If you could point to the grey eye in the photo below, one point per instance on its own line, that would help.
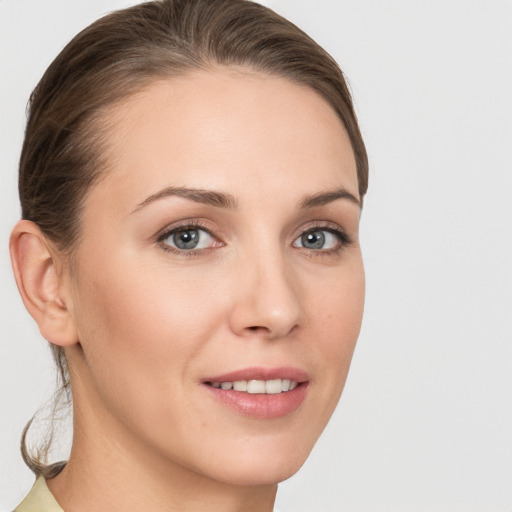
(313, 240)
(317, 239)
(188, 239)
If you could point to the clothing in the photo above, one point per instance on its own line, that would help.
(39, 499)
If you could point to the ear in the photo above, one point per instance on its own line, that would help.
(39, 278)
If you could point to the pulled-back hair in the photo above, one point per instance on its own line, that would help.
(114, 58)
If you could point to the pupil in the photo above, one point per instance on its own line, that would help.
(187, 239)
(313, 240)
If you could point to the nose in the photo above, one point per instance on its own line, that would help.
(268, 300)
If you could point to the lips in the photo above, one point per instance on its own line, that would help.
(263, 393)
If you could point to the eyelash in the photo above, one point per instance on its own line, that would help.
(344, 240)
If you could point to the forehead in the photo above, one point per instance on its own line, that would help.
(223, 129)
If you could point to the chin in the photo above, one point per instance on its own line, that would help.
(265, 465)
(256, 473)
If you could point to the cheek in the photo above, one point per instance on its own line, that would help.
(337, 313)
(133, 295)
(140, 326)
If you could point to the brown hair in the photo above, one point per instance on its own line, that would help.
(115, 57)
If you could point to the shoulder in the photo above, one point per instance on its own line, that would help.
(39, 499)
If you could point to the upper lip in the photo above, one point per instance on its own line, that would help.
(261, 373)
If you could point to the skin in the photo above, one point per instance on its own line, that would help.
(143, 326)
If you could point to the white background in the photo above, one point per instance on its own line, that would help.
(425, 423)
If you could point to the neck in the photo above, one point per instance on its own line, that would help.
(111, 470)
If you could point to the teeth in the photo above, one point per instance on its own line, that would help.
(272, 387)
(240, 385)
(256, 386)
(269, 387)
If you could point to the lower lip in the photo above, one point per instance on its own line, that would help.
(261, 406)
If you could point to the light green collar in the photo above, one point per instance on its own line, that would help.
(39, 499)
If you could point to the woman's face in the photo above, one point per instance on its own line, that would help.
(219, 249)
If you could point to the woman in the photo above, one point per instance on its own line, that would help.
(191, 184)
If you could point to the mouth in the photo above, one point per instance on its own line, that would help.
(268, 387)
(260, 393)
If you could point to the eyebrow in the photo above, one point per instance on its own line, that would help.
(224, 200)
(323, 198)
(198, 195)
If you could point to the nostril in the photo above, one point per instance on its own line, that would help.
(256, 328)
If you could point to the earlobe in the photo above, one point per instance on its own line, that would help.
(40, 284)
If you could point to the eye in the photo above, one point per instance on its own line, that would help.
(320, 239)
(188, 238)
